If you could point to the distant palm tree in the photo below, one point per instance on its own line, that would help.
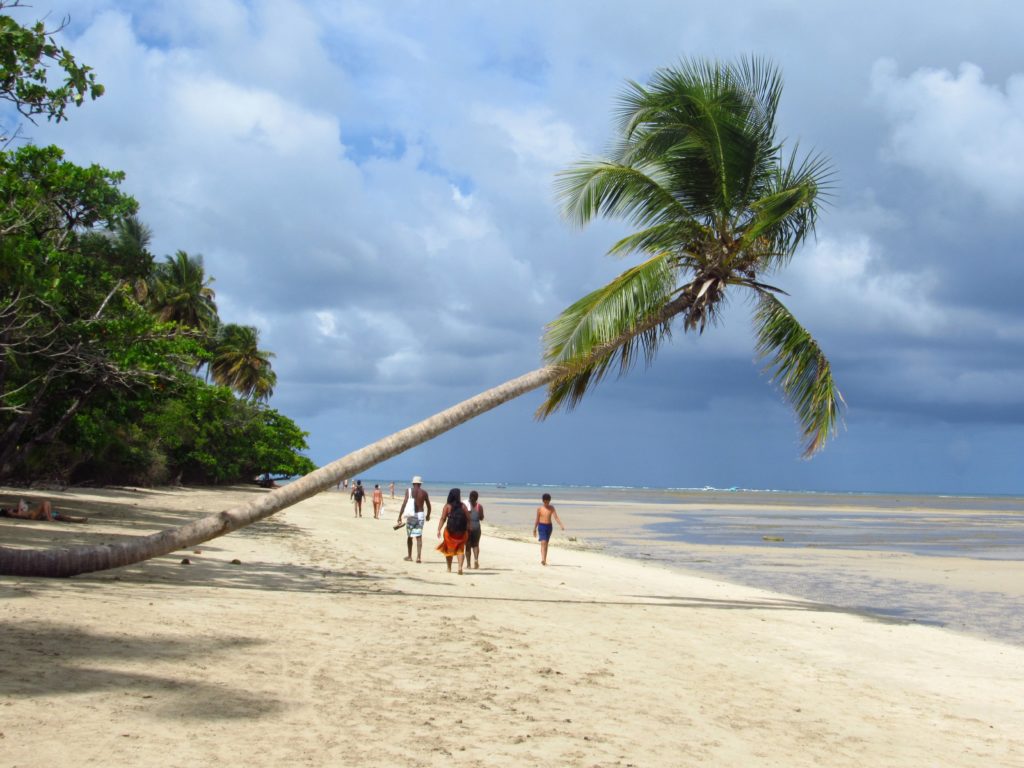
(239, 363)
(698, 169)
(181, 293)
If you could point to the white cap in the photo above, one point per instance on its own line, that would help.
(417, 480)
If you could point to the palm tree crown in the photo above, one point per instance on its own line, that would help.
(697, 169)
(181, 292)
(239, 363)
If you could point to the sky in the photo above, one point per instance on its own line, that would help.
(371, 185)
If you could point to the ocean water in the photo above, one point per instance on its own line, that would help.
(770, 539)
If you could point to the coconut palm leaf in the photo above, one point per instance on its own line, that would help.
(615, 322)
(799, 368)
(603, 188)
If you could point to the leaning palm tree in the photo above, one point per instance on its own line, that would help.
(239, 363)
(698, 170)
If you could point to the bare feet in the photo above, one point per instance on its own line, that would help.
(409, 559)
(477, 564)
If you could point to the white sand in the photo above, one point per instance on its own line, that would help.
(325, 648)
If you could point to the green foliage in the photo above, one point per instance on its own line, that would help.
(97, 340)
(696, 167)
(239, 363)
(27, 56)
(180, 292)
(211, 436)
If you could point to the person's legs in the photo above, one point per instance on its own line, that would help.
(544, 552)
(460, 556)
(448, 559)
(476, 554)
(419, 549)
(408, 543)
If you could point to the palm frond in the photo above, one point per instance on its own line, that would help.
(673, 236)
(787, 213)
(602, 188)
(800, 369)
(615, 322)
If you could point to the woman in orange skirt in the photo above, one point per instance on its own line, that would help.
(455, 525)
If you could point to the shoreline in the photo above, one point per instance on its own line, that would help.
(316, 649)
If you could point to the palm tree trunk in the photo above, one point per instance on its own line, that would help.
(98, 557)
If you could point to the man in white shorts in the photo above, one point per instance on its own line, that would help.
(415, 510)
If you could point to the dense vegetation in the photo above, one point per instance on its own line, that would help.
(106, 353)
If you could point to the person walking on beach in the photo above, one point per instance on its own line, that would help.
(392, 489)
(542, 526)
(357, 496)
(378, 501)
(415, 510)
(454, 523)
(476, 514)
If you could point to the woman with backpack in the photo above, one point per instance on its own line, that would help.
(455, 525)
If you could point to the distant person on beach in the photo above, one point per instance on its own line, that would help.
(542, 526)
(454, 524)
(378, 501)
(392, 489)
(357, 496)
(476, 514)
(415, 510)
(42, 510)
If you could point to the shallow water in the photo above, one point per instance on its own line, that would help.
(773, 540)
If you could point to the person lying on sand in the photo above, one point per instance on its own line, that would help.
(42, 511)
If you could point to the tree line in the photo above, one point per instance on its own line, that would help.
(115, 367)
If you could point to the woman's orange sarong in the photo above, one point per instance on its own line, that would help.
(453, 544)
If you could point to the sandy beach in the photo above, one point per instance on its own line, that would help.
(324, 647)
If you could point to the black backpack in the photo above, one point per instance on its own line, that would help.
(457, 520)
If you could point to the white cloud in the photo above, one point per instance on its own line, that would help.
(956, 128)
(846, 281)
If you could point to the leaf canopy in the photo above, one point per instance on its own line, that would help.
(718, 205)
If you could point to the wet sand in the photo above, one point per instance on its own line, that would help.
(947, 562)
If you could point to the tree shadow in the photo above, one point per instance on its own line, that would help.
(112, 521)
(35, 667)
(216, 574)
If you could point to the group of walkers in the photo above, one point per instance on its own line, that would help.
(358, 493)
(460, 527)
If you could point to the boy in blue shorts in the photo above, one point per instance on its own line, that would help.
(542, 526)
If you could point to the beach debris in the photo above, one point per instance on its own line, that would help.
(236, 561)
(197, 551)
(773, 538)
(186, 561)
